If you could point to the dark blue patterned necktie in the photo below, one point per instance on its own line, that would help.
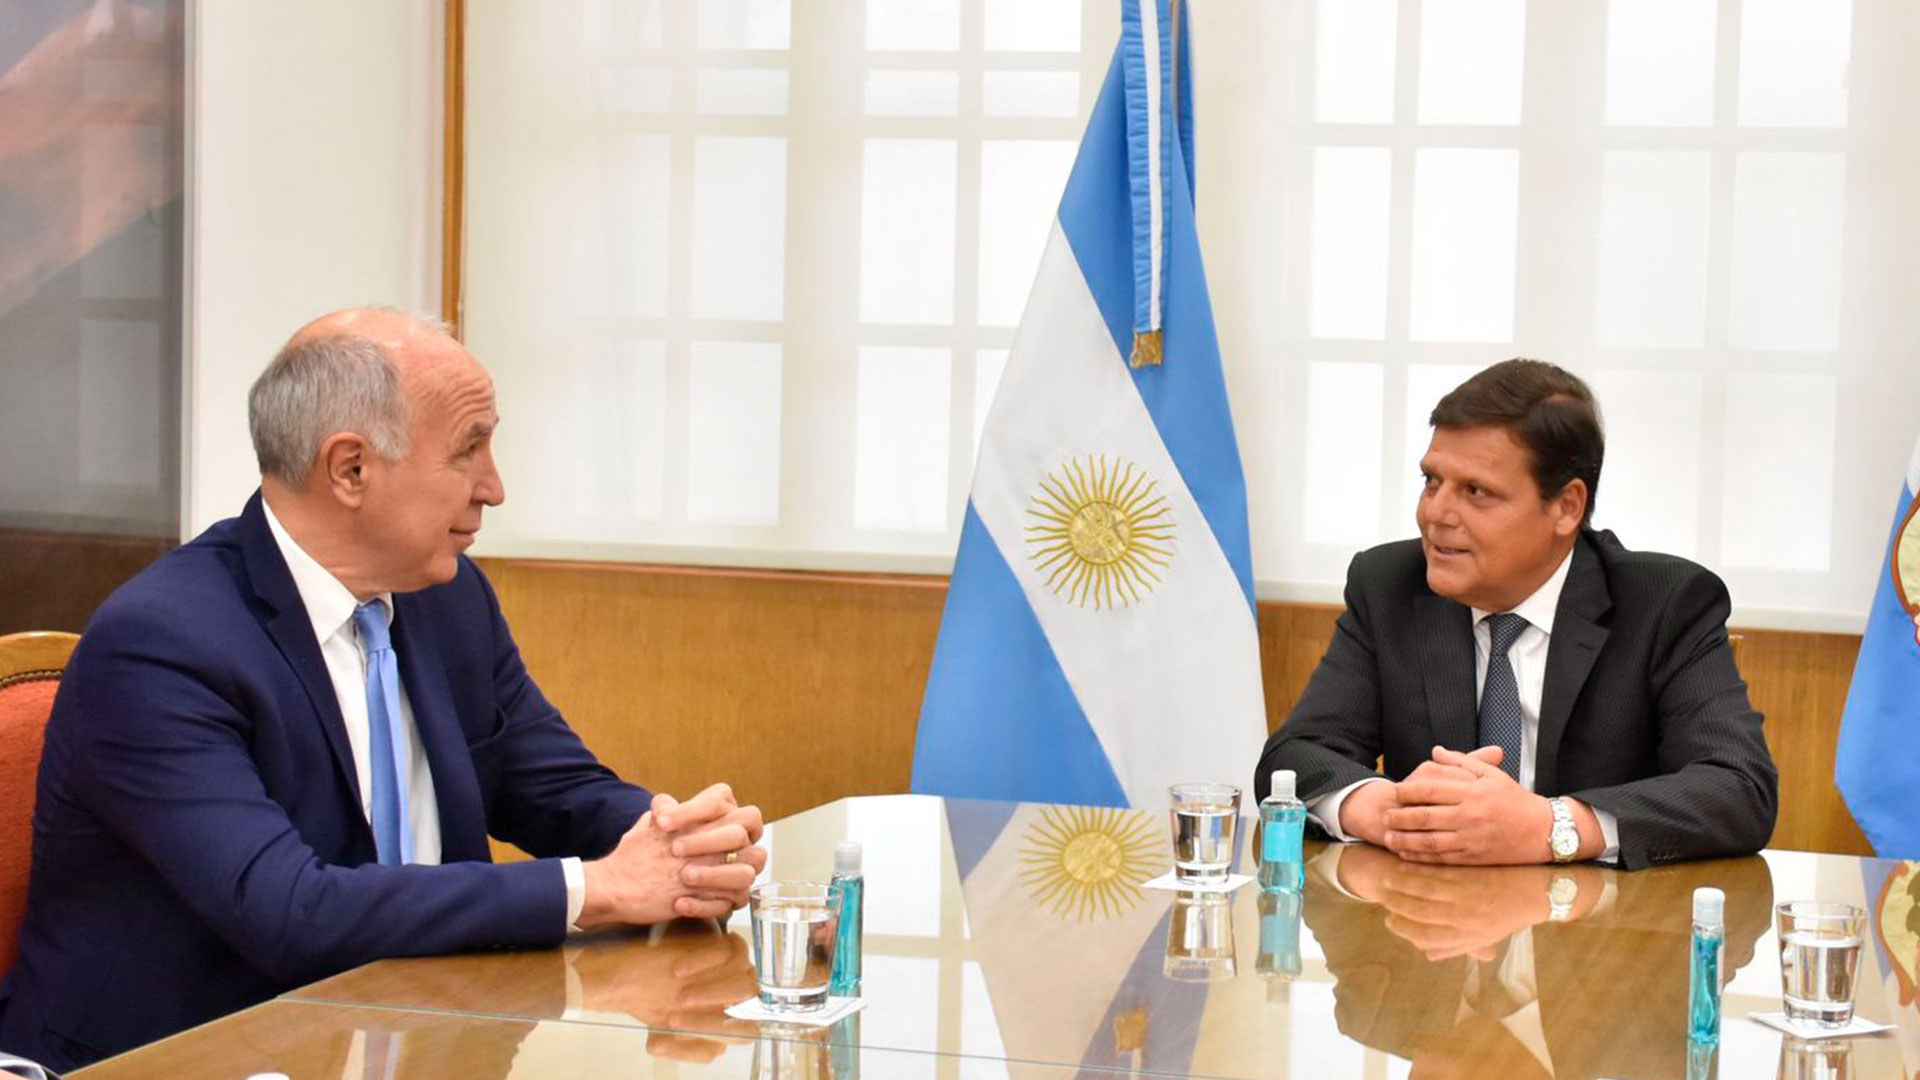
(1500, 722)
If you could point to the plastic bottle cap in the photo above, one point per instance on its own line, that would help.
(1709, 907)
(1283, 783)
(846, 857)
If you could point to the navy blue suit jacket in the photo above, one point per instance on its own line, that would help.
(198, 840)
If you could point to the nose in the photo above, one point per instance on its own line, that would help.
(490, 490)
(1437, 507)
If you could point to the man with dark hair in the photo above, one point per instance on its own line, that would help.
(1533, 690)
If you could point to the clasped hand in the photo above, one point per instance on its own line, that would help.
(1455, 808)
(674, 862)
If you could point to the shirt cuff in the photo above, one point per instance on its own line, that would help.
(1610, 832)
(1326, 809)
(576, 878)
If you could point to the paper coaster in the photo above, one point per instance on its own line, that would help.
(1857, 1026)
(1168, 882)
(831, 1012)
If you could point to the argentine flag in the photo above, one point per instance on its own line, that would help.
(1878, 762)
(1099, 640)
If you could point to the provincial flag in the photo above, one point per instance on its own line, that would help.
(1099, 641)
(1877, 764)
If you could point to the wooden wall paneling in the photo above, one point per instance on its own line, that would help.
(802, 688)
(798, 689)
(54, 580)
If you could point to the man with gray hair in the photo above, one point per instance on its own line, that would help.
(278, 753)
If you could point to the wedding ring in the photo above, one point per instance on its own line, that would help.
(733, 857)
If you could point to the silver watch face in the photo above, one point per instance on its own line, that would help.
(1565, 840)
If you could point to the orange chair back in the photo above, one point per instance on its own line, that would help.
(30, 668)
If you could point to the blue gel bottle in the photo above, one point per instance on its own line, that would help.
(846, 954)
(1283, 818)
(1703, 991)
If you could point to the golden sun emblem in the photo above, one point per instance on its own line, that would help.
(1100, 532)
(1087, 862)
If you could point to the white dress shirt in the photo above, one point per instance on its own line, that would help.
(1528, 655)
(330, 606)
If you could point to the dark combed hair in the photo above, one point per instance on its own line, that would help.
(1547, 408)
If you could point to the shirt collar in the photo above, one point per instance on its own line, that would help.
(330, 604)
(1538, 609)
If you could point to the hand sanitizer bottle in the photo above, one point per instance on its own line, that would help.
(1703, 994)
(846, 955)
(1282, 820)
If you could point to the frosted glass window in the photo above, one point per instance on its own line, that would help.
(906, 231)
(1650, 485)
(1660, 62)
(1033, 25)
(620, 228)
(1353, 68)
(1309, 1050)
(988, 366)
(900, 448)
(1471, 56)
(619, 405)
(1345, 430)
(138, 268)
(1651, 277)
(633, 90)
(121, 387)
(743, 24)
(1426, 385)
(1031, 93)
(1020, 185)
(913, 25)
(893, 832)
(733, 432)
(1788, 212)
(1776, 508)
(1465, 208)
(912, 93)
(620, 24)
(1793, 62)
(1352, 202)
(743, 92)
(739, 228)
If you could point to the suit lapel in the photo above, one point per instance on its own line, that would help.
(292, 631)
(1445, 631)
(463, 831)
(1575, 645)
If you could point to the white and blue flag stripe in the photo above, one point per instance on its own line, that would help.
(1036, 694)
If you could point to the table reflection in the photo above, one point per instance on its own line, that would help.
(1516, 971)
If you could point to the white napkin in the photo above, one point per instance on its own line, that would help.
(832, 1011)
(1168, 882)
(1857, 1026)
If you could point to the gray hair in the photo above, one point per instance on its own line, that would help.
(320, 386)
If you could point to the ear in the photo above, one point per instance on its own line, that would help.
(1570, 507)
(342, 464)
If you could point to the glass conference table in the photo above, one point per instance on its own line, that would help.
(1015, 940)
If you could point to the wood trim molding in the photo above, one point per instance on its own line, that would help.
(453, 183)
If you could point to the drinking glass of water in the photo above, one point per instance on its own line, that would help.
(796, 925)
(1819, 955)
(1204, 819)
(1200, 938)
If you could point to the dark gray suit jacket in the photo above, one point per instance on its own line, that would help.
(1643, 715)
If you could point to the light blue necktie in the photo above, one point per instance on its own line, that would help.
(1500, 722)
(392, 831)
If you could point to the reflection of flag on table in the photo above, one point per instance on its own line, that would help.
(1099, 639)
(1878, 761)
(1054, 892)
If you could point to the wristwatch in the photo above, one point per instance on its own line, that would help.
(1560, 897)
(1564, 840)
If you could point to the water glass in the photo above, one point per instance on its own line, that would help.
(1819, 956)
(1200, 938)
(796, 927)
(1204, 818)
